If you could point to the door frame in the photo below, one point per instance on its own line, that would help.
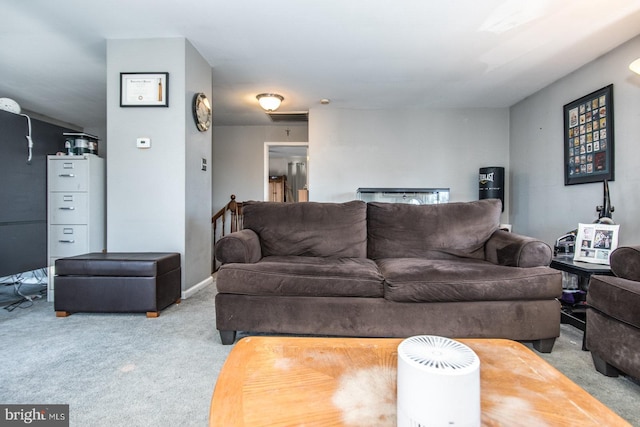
(266, 161)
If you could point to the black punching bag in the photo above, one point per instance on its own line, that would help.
(491, 183)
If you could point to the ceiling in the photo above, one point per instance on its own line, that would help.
(360, 54)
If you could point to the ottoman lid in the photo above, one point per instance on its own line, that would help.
(129, 264)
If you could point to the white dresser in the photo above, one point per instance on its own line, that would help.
(75, 208)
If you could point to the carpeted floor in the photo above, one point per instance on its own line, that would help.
(127, 370)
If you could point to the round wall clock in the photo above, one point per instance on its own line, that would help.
(202, 111)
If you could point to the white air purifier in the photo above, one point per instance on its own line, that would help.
(438, 383)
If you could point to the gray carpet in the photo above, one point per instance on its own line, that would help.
(127, 370)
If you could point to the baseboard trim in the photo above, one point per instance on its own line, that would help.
(197, 287)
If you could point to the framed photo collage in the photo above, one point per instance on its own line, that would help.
(595, 242)
(588, 139)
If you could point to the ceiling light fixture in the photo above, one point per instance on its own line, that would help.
(635, 66)
(11, 106)
(270, 101)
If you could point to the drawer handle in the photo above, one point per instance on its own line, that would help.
(67, 175)
(66, 241)
(67, 208)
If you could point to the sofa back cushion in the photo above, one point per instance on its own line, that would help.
(397, 230)
(310, 228)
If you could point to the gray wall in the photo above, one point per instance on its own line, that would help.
(409, 148)
(238, 159)
(365, 148)
(541, 204)
(198, 250)
(370, 148)
(157, 198)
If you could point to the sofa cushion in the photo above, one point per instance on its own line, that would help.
(397, 230)
(424, 280)
(302, 276)
(122, 264)
(309, 229)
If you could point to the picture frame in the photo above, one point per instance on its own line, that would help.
(588, 138)
(595, 242)
(148, 89)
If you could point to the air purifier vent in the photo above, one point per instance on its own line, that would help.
(438, 383)
(438, 353)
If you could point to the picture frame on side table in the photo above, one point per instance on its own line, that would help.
(588, 138)
(144, 89)
(595, 242)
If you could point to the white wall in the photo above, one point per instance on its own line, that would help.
(153, 194)
(349, 149)
(238, 159)
(542, 205)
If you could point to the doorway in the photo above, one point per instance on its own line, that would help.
(288, 163)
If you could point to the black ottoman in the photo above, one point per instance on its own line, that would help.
(117, 283)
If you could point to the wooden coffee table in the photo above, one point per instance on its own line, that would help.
(276, 381)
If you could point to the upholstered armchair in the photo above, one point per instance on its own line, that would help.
(613, 316)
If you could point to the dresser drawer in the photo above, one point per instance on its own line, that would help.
(67, 240)
(68, 174)
(68, 208)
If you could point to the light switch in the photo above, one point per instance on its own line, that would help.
(143, 143)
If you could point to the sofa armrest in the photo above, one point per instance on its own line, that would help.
(515, 250)
(240, 246)
(625, 262)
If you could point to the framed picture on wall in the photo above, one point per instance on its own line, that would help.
(595, 242)
(144, 89)
(588, 138)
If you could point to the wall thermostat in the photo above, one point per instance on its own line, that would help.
(143, 143)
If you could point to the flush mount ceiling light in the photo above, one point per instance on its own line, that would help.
(635, 66)
(270, 101)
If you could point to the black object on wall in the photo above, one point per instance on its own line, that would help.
(491, 183)
(23, 192)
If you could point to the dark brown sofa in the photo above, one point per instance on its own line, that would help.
(385, 270)
(613, 316)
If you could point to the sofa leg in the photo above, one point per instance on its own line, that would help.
(227, 337)
(62, 314)
(545, 345)
(153, 314)
(603, 367)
